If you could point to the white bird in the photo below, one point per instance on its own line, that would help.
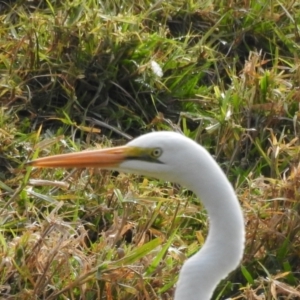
(173, 157)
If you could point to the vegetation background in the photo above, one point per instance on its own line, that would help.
(90, 73)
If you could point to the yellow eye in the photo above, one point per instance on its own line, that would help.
(156, 152)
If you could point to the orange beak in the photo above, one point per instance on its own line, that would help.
(104, 158)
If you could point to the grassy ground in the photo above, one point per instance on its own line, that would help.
(79, 74)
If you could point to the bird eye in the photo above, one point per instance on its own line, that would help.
(156, 152)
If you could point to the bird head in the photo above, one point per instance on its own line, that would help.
(156, 154)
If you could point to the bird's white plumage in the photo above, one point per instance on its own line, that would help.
(187, 163)
(173, 157)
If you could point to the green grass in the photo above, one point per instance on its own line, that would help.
(77, 74)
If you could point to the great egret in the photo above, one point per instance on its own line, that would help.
(173, 157)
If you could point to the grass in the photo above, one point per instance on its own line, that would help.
(79, 74)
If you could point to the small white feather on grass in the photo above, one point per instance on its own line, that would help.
(157, 70)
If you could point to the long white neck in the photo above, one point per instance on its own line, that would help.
(223, 249)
